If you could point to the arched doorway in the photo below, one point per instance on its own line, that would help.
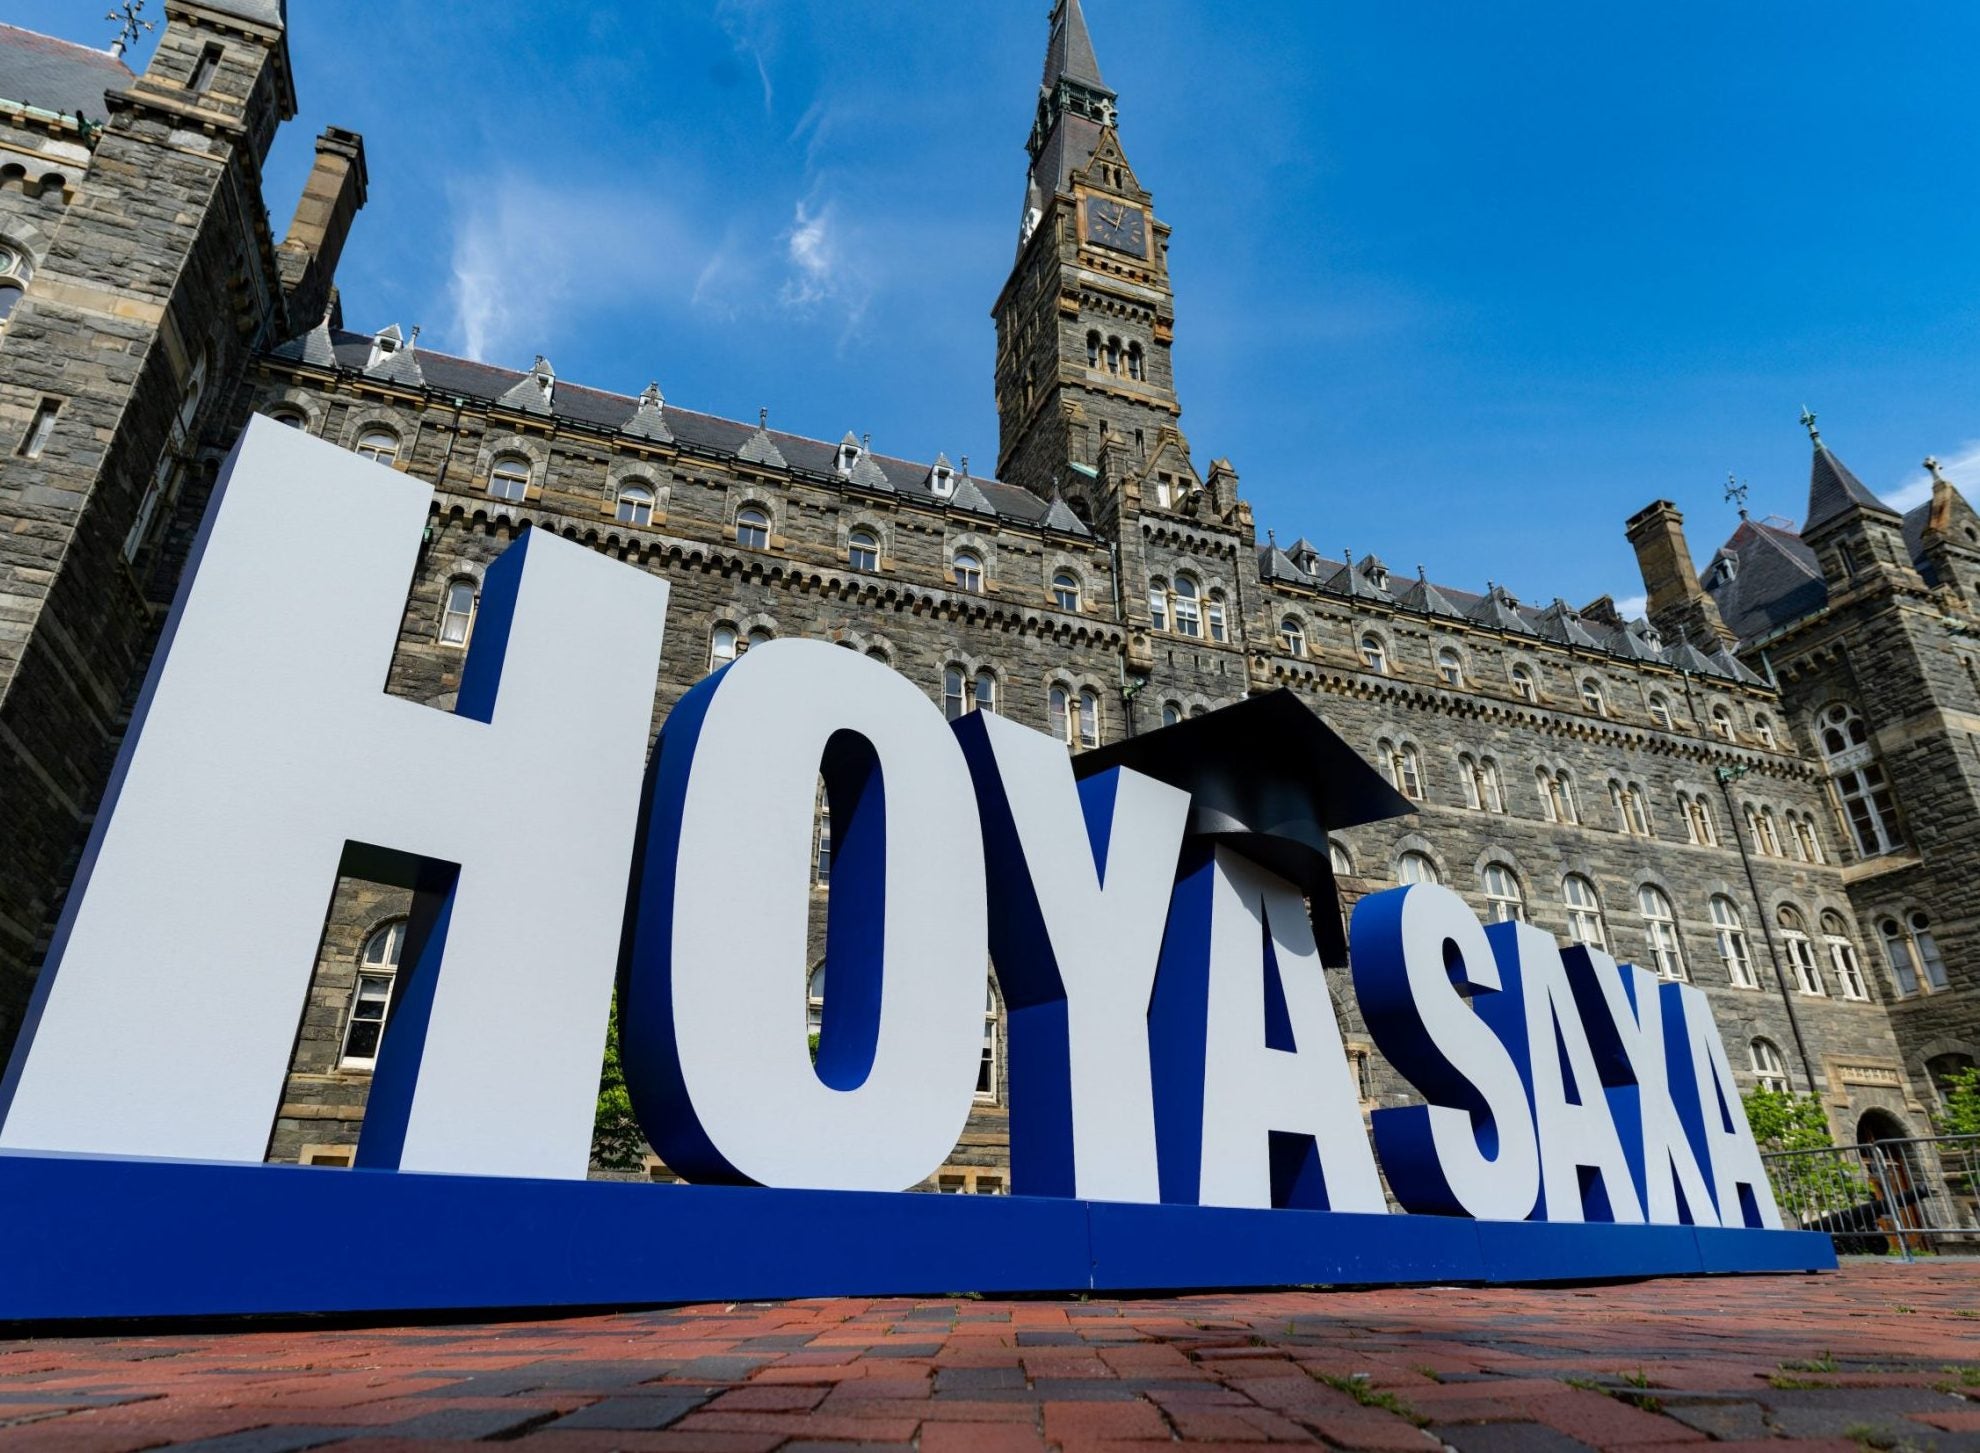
(1881, 1137)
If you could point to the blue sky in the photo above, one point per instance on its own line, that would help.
(1457, 284)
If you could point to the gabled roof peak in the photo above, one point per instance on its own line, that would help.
(1069, 53)
(1832, 490)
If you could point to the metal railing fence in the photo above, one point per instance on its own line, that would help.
(1921, 1193)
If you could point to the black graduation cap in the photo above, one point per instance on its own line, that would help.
(1269, 780)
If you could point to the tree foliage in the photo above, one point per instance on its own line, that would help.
(1960, 1091)
(1784, 1121)
(616, 1141)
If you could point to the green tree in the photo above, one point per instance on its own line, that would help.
(1808, 1187)
(1784, 1121)
(616, 1141)
(1960, 1092)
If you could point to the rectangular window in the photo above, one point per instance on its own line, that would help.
(367, 1022)
(203, 69)
(43, 424)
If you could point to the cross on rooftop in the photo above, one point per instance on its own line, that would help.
(1932, 467)
(1808, 423)
(131, 24)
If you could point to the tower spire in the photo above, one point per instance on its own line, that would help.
(1069, 53)
(1073, 102)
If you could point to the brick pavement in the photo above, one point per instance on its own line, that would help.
(1878, 1355)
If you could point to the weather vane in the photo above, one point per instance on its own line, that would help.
(131, 22)
(1736, 494)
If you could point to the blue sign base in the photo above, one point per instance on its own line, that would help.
(99, 1238)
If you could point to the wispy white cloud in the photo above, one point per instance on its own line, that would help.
(748, 25)
(823, 267)
(1632, 606)
(1962, 467)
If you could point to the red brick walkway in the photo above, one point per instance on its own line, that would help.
(1883, 1356)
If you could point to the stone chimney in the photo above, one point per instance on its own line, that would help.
(1678, 605)
(330, 202)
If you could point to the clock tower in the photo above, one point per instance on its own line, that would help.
(1085, 395)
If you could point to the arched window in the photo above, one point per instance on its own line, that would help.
(757, 637)
(12, 285)
(1660, 929)
(1373, 654)
(968, 568)
(508, 477)
(1213, 614)
(1474, 791)
(1729, 934)
(955, 693)
(1158, 605)
(1591, 696)
(1858, 777)
(1842, 956)
(986, 1073)
(1722, 723)
(983, 691)
(723, 647)
(1292, 635)
(1338, 859)
(1093, 349)
(1769, 836)
(1523, 685)
(1414, 868)
(1113, 355)
(1065, 590)
(1187, 622)
(1800, 952)
(863, 550)
(752, 529)
(1763, 728)
(1493, 790)
(1913, 953)
(289, 417)
(1584, 912)
(1172, 713)
(1503, 900)
(371, 997)
(1405, 767)
(1768, 1066)
(1807, 846)
(1928, 951)
(1449, 666)
(1557, 796)
(457, 611)
(814, 997)
(1699, 826)
(381, 446)
(1075, 717)
(1134, 361)
(635, 505)
(1660, 711)
(1631, 816)
(1900, 955)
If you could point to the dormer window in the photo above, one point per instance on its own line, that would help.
(849, 453)
(1378, 577)
(384, 345)
(942, 481)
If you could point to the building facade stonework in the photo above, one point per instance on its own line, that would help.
(1770, 788)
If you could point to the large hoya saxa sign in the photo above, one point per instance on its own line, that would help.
(1182, 1112)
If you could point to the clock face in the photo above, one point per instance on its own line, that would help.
(1116, 225)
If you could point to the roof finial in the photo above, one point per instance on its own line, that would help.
(1736, 493)
(762, 418)
(130, 24)
(1932, 466)
(1422, 575)
(1271, 537)
(1808, 423)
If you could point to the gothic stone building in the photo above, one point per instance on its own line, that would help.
(1771, 788)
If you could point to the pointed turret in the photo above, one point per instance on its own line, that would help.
(1069, 53)
(1074, 104)
(1832, 490)
(1856, 537)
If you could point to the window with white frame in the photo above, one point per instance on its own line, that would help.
(1800, 952)
(1416, 868)
(821, 843)
(983, 691)
(1900, 954)
(968, 568)
(1292, 635)
(1504, 902)
(1213, 616)
(758, 636)
(1474, 792)
(1763, 728)
(1584, 912)
(1158, 605)
(1722, 723)
(1807, 846)
(1928, 951)
(1660, 929)
(963, 693)
(1699, 826)
(863, 550)
(635, 505)
(723, 647)
(1768, 1066)
(1842, 956)
(1188, 616)
(752, 529)
(1172, 713)
(1729, 936)
(1449, 666)
(1374, 655)
(457, 611)
(1556, 796)
(508, 477)
(1591, 696)
(371, 996)
(1075, 716)
(1065, 590)
(814, 998)
(379, 445)
(986, 1073)
(1337, 857)
(1660, 711)
(1769, 833)
(1858, 777)
(1523, 683)
(1405, 767)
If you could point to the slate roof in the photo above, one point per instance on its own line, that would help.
(709, 433)
(1833, 490)
(57, 75)
(1069, 53)
(1773, 579)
